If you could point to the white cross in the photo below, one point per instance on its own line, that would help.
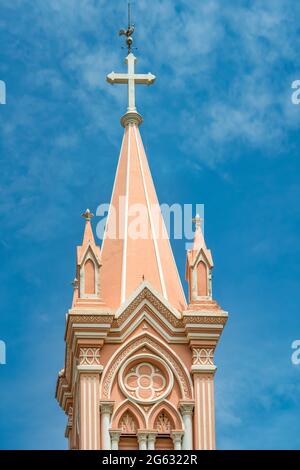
(131, 78)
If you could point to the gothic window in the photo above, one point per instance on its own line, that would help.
(164, 426)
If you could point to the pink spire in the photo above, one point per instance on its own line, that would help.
(128, 260)
(199, 241)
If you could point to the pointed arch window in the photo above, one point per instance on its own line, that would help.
(129, 426)
(164, 425)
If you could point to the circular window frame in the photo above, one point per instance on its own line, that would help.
(152, 359)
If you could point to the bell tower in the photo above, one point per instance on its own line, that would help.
(139, 361)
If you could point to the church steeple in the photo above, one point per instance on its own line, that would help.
(139, 363)
(129, 258)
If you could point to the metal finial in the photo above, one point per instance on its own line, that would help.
(88, 215)
(129, 32)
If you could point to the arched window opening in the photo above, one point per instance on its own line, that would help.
(129, 426)
(164, 425)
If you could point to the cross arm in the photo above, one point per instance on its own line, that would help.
(123, 78)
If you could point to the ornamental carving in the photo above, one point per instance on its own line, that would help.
(163, 424)
(145, 382)
(128, 424)
(147, 294)
(70, 417)
(89, 356)
(203, 356)
(183, 381)
(205, 320)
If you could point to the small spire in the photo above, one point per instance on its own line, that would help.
(198, 236)
(87, 215)
(197, 221)
(75, 283)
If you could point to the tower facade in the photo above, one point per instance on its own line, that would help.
(139, 362)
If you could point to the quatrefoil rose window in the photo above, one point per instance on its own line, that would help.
(145, 382)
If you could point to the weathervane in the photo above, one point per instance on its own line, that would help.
(130, 78)
(129, 31)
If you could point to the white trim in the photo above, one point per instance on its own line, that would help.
(137, 321)
(124, 260)
(166, 402)
(204, 415)
(163, 344)
(136, 292)
(161, 276)
(89, 256)
(90, 412)
(205, 313)
(129, 400)
(192, 335)
(172, 254)
(199, 415)
(91, 368)
(95, 414)
(84, 415)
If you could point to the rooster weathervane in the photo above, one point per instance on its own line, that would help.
(129, 31)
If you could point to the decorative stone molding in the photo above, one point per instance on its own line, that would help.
(70, 417)
(106, 407)
(163, 423)
(205, 320)
(89, 356)
(115, 437)
(203, 356)
(131, 118)
(88, 318)
(151, 440)
(128, 424)
(147, 294)
(181, 376)
(142, 438)
(177, 438)
(186, 408)
(70, 422)
(145, 378)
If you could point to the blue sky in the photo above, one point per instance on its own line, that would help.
(220, 129)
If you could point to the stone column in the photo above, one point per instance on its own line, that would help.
(203, 371)
(89, 370)
(142, 438)
(106, 408)
(177, 438)
(115, 437)
(151, 440)
(186, 410)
